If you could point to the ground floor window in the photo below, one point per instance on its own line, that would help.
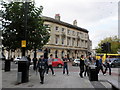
(56, 52)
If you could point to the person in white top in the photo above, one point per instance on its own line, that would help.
(50, 65)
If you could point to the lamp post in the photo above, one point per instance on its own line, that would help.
(23, 42)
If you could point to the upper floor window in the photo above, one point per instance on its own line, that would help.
(63, 29)
(77, 33)
(68, 31)
(56, 28)
(73, 32)
(56, 39)
(62, 40)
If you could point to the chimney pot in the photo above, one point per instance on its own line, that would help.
(57, 17)
(75, 22)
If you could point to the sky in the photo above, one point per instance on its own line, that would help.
(99, 17)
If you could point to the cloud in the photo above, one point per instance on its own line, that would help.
(99, 17)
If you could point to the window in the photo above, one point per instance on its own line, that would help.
(73, 42)
(73, 32)
(55, 59)
(57, 39)
(56, 28)
(62, 54)
(56, 52)
(68, 31)
(62, 40)
(68, 41)
(77, 33)
(63, 29)
(77, 42)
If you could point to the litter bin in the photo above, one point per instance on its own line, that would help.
(93, 75)
(23, 68)
(7, 65)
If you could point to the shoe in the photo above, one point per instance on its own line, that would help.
(104, 74)
(81, 76)
(53, 74)
(98, 74)
(46, 74)
(41, 82)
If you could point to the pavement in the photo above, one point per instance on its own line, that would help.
(9, 79)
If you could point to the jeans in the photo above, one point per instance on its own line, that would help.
(41, 72)
(81, 70)
(108, 67)
(50, 66)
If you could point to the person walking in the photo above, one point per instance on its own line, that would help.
(81, 66)
(29, 61)
(100, 66)
(87, 63)
(65, 60)
(107, 65)
(50, 65)
(41, 68)
(34, 63)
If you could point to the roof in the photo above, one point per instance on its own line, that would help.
(64, 24)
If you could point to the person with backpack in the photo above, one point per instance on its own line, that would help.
(41, 65)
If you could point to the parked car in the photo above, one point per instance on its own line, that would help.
(16, 59)
(76, 62)
(115, 62)
(57, 63)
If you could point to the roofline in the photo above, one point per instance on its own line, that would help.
(49, 19)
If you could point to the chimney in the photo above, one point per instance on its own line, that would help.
(57, 17)
(75, 22)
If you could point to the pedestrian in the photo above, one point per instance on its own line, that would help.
(41, 68)
(65, 60)
(107, 64)
(81, 66)
(100, 66)
(87, 63)
(50, 65)
(29, 61)
(34, 63)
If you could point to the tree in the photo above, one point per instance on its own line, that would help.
(37, 35)
(115, 44)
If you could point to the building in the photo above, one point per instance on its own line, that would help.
(67, 39)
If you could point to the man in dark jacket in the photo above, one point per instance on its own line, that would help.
(81, 66)
(29, 60)
(65, 60)
(34, 63)
(41, 68)
(100, 65)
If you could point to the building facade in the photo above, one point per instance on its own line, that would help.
(66, 39)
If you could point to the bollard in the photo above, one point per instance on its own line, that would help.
(19, 77)
(7, 65)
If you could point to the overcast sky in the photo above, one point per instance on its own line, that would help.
(99, 17)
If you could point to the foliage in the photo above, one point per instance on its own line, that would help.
(115, 44)
(14, 27)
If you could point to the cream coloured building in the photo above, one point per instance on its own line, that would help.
(66, 39)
